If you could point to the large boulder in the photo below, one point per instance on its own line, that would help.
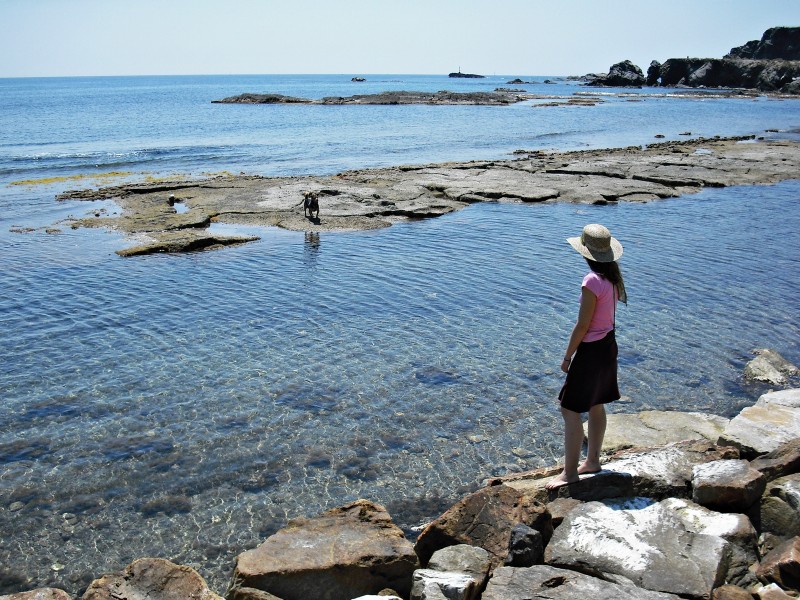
(727, 485)
(659, 427)
(151, 579)
(773, 420)
(343, 553)
(643, 543)
(550, 583)
(776, 43)
(485, 519)
(621, 74)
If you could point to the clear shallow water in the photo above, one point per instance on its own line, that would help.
(186, 406)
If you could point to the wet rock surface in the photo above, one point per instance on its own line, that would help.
(375, 198)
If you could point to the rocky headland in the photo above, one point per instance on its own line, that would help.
(175, 216)
(686, 505)
(771, 64)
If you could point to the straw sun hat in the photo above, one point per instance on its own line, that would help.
(597, 244)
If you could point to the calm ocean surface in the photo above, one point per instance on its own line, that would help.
(186, 406)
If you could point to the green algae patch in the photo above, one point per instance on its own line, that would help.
(99, 177)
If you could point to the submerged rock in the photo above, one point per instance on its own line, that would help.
(39, 594)
(769, 367)
(151, 579)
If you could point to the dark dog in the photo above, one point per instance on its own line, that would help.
(310, 204)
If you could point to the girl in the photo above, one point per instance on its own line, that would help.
(592, 372)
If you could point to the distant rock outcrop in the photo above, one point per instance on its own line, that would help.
(781, 43)
(771, 64)
(466, 75)
(621, 74)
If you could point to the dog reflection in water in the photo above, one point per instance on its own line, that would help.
(310, 204)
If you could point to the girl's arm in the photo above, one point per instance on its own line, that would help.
(588, 303)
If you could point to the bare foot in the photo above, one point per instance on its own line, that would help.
(588, 468)
(560, 481)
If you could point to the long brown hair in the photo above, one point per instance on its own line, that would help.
(610, 270)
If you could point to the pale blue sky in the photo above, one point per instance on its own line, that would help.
(504, 37)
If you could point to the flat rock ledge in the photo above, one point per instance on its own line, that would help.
(496, 98)
(692, 518)
(178, 216)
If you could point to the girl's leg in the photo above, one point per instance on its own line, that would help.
(597, 431)
(573, 439)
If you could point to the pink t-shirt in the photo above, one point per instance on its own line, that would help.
(603, 318)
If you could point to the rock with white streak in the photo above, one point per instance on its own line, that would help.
(456, 573)
(763, 427)
(645, 544)
(667, 471)
(437, 585)
(544, 582)
(727, 485)
(734, 528)
(779, 510)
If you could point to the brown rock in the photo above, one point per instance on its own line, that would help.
(251, 594)
(485, 519)
(731, 592)
(727, 485)
(784, 460)
(39, 594)
(341, 554)
(560, 507)
(151, 579)
(782, 565)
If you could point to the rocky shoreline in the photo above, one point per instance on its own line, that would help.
(175, 216)
(711, 511)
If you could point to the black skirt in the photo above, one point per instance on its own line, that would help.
(592, 376)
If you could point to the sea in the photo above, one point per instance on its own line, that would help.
(186, 406)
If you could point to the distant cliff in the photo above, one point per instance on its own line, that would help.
(771, 64)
